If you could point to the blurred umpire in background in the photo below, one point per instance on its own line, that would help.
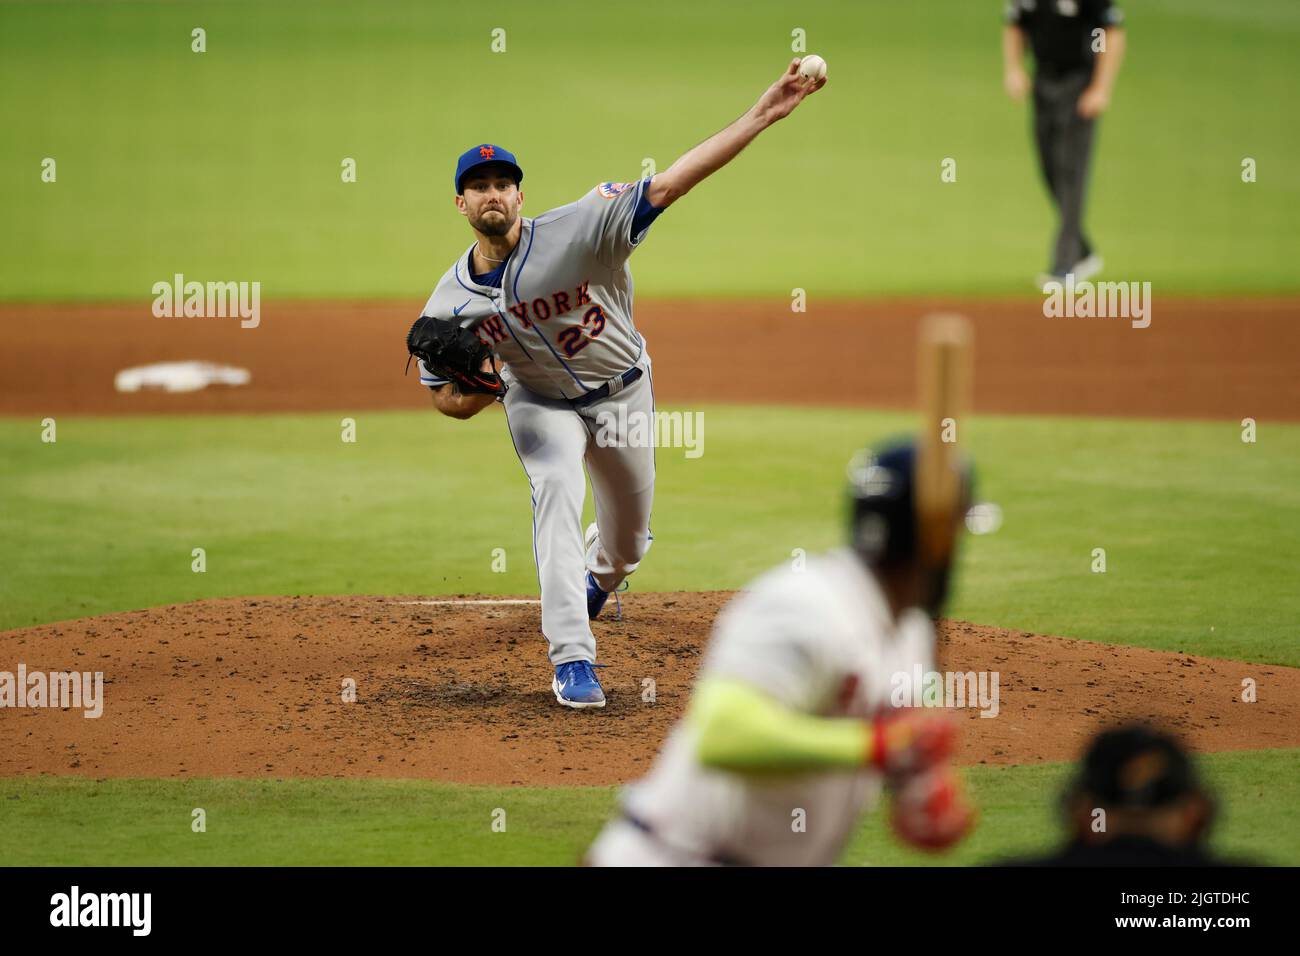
(1078, 46)
(1135, 800)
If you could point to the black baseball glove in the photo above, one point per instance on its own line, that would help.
(456, 354)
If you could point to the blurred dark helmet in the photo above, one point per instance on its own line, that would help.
(885, 530)
(1146, 783)
(1137, 768)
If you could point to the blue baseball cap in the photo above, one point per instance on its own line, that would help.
(478, 156)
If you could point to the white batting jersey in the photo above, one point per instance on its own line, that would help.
(822, 641)
(562, 319)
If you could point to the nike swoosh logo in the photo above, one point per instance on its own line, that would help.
(560, 686)
(462, 308)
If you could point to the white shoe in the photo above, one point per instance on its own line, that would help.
(1087, 267)
(590, 537)
(1044, 278)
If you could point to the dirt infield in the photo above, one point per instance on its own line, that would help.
(1199, 358)
(461, 691)
(252, 687)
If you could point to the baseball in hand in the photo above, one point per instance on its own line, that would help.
(811, 69)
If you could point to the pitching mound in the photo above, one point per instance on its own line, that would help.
(459, 689)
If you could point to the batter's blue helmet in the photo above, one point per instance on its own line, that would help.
(481, 155)
(884, 512)
(884, 521)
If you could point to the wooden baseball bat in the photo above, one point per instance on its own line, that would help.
(944, 376)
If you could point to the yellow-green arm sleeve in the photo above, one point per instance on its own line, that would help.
(740, 728)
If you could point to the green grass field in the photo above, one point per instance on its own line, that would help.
(1198, 528)
(226, 164)
(71, 821)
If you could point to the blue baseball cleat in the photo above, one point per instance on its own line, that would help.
(576, 686)
(596, 598)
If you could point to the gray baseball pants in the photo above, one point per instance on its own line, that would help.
(555, 440)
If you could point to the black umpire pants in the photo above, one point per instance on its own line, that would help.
(1064, 154)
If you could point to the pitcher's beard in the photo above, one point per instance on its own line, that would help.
(498, 225)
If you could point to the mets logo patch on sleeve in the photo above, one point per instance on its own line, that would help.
(610, 190)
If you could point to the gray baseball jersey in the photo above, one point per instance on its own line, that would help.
(562, 319)
(820, 640)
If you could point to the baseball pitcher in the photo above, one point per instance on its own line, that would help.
(537, 315)
(792, 732)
